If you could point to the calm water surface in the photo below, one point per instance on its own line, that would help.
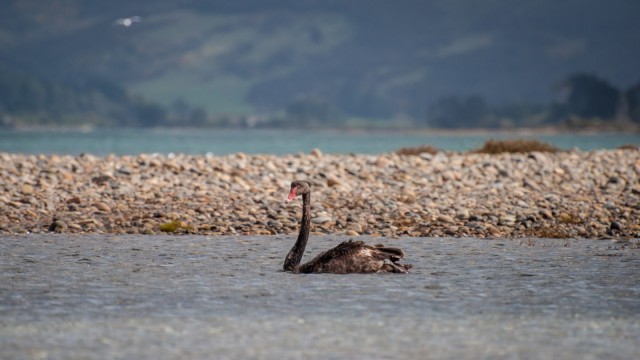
(189, 297)
(135, 141)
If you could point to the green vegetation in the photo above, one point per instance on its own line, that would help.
(515, 146)
(489, 147)
(225, 61)
(301, 63)
(30, 100)
(225, 96)
(629, 147)
(587, 101)
(417, 150)
(176, 226)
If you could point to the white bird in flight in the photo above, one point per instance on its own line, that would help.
(126, 22)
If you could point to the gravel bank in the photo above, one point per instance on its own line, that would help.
(569, 194)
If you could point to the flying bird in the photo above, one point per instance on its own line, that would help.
(128, 21)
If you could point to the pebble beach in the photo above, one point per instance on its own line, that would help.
(573, 194)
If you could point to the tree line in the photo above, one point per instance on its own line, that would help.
(585, 99)
(28, 99)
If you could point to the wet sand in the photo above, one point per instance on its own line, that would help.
(131, 296)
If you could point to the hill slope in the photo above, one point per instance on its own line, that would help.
(368, 58)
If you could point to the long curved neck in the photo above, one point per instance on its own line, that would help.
(292, 261)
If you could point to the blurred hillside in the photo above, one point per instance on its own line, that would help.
(224, 62)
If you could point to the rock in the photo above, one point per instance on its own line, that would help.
(445, 219)
(57, 226)
(451, 230)
(320, 219)
(427, 195)
(355, 227)
(615, 225)
(365, 176)
(474, 218)
(382, 162)
(27, 189)
(274, 223)
(546, 214)
(87, 222)
(316, 153)
(507, 220)
(462, 214)
(124, 170)
(494, 231)
(352, 233)
(102, 207)
(75, 227)
(101, 179)
(74, 200)
(538, 157)
(530, 184)
(332, 181)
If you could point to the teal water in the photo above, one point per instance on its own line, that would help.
(220, 142)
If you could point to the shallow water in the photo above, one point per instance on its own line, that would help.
(108, 296)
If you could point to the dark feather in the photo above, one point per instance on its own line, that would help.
(355, 256)
(348, 257)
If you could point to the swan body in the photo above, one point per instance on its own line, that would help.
(348, 257)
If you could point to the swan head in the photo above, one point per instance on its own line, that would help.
(298, 187)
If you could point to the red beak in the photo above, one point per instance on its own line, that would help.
(292, 194)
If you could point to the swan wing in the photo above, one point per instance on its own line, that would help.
(354, 257)
(344, 249)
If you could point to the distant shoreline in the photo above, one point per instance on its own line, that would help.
(532, 131)
(219, 141)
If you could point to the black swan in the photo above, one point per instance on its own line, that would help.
(348, 257)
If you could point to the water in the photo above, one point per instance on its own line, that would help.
(191, 141)
(188, 297)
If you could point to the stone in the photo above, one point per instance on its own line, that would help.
(274, 223)
(462, 214)
(14, 204)
(74, 200)
(332, 181)
(451, 230)
(507, 219)
(320, 219)
(75, 226)
(615, 225)
(57, 225)
(27, 189)
(102, 207)
(578, 193)
(445, 219)
(546, 214)
(382, 162)
(355, 227)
